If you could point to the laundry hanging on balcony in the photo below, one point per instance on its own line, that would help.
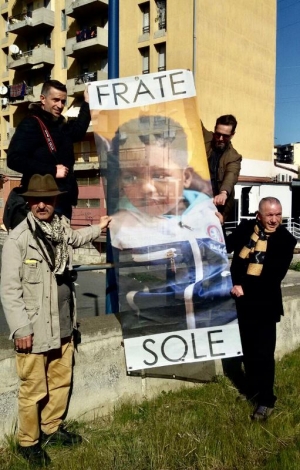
(86, 33)
(18, 91)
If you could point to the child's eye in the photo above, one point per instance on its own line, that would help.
(161, 177)
(129, 179)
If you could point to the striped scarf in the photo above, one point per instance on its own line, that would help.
(255, 250)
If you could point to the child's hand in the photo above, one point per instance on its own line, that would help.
(104, 221)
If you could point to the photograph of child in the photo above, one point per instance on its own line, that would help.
(172, 267)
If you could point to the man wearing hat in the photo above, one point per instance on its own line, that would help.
(38, 299)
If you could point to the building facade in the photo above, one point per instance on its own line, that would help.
(231, 49)
(229, 46)
(61, 40)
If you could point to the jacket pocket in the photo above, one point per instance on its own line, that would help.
(32, 311)
(32, 271)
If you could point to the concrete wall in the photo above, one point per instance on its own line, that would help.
(100, 379)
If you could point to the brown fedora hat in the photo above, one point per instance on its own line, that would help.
(44, 186)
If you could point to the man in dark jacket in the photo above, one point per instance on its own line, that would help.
(224, 162)
(262, 252)
(32, 152)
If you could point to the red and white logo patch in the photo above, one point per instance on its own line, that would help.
(215, 234)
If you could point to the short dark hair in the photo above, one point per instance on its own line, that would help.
(227, 120)
(53, 84)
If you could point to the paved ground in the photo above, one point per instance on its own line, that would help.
(291, 279)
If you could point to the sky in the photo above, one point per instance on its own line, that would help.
(287, 107)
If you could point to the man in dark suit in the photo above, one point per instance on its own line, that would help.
(262, 252)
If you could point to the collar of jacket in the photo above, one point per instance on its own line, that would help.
(37, 110)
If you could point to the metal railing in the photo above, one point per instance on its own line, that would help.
(85, 78)
(289, 223)
(85, 156)
(21, 17)
(21, 54)
(293, 227)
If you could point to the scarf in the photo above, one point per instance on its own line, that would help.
(255, 250)
(54, 232)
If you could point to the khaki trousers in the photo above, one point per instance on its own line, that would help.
(44, 391)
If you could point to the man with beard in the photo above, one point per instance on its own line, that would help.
(224, 162)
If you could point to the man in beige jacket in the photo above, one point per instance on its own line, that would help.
(38, 299)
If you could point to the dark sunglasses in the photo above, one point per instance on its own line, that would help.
(225, 136)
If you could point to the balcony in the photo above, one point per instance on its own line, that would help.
(79, 46)
(26, 60)
(79, 8)
(77, 85)
(4, 7)
(32, 95)
(86, 161)
(7, 171)
(40, 18)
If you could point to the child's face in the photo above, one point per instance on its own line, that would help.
(157, 187)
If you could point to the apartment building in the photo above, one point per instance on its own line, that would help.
(229, 46)
(62, 40)
(231, 49)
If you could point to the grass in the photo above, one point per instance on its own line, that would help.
(203, 427)
(295, 266)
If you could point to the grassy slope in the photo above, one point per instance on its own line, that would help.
(200, 428)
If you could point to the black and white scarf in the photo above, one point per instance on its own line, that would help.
(54, 233)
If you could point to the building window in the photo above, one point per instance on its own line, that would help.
(47, 40)
(159, 121)
(29, 9)
(161, 59)
(64, 59)
(284, 153)
(63, 20)
(161, 6)
(145, 9)
(84, 203)
(145, 59)
(89, 181)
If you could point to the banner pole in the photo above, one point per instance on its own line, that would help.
(112, 303)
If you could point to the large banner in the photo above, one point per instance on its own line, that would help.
(171, 265)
